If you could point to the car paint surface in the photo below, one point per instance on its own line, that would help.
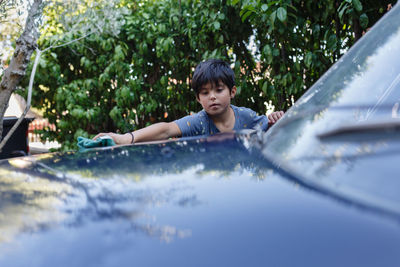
(198, 202)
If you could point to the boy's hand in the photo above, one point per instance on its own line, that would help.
(119, 139)
(275, 116)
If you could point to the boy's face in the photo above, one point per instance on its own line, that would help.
(215, 98)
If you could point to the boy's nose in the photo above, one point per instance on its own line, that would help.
(212, 96)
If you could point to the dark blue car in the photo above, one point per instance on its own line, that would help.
(320, 188)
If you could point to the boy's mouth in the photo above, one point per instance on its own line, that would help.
(214, 105)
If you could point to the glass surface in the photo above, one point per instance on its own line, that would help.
(363, 87)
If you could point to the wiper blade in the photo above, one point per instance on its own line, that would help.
(387, 126)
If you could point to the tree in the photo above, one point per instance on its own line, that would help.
(142, 75)
(84, 19)
(298, 40)
(147, 67)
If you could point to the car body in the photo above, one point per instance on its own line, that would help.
(320, 188)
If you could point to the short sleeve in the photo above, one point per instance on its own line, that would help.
(248, 119)
(192, 125)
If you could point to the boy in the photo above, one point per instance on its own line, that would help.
(214, 84)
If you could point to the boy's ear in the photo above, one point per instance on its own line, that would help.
(197, 98)
(233, 91)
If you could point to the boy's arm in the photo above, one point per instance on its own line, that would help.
(158, 131)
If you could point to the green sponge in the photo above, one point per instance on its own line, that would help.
(86, 143)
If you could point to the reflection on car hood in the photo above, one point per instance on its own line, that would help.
(197, 202)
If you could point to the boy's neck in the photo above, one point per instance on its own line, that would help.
(225, 121)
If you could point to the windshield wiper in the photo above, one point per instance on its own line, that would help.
(387, 126)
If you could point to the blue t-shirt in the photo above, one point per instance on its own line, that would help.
(201, 124)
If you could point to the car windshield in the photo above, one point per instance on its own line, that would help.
(361, 89)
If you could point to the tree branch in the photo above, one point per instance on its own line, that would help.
(28, 102)
(25, 45)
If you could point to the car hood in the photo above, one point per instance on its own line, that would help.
(214, 201)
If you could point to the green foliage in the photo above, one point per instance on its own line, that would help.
(120, 83)
(297, 41)
(124, 81)
(8, 6)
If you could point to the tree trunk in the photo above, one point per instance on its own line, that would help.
(357, 30)
(25, 45)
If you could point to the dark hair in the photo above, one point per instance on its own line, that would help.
(212, 70)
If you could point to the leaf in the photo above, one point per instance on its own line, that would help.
(327, 33)
(332, 42)
(281, 14)
(267, 50)
(264, 7)
(265, 87)
(118, 53)
(146, 16)
(144, 47)
(316, 30)
(273, 3)
(165, 45)
(271, 91)
(164, 80)
(357, 5)
(115, 113)
(83, 60)
(242, 11)
(292, 7)
(364, 21)
(42, 63)
(248, 13)
(273, 17)
(217, 25)
(293, 16)
(308, 59)
(297, 66)
(341, 10)
(125, 92)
